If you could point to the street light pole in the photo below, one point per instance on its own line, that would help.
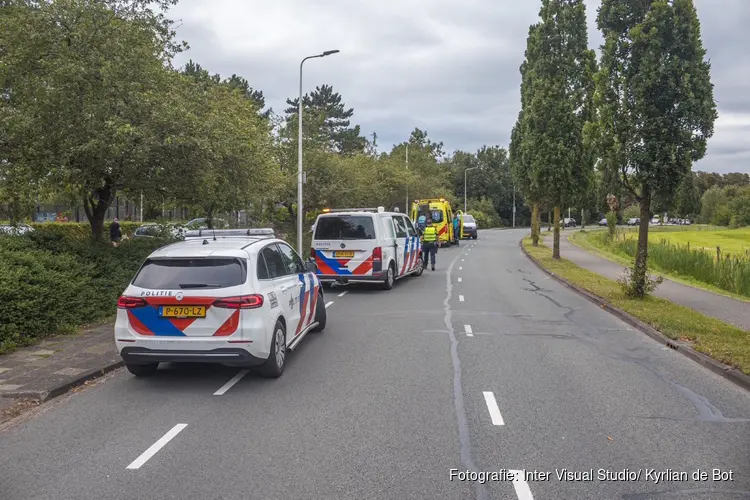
(299, 153)
(406, 205)
(465, 172)
(514, 205)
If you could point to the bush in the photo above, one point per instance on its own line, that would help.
(52, 284)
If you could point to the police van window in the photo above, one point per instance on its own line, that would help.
(187, 273)
(274, 262)
(388, 225)
(345, 227)
(410, 227)
(398, 222)
(291, 260)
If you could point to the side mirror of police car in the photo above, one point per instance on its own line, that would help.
(311, 266)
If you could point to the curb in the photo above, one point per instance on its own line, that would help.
(728, 372)
(63, 388)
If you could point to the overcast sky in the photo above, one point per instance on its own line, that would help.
(446, 66)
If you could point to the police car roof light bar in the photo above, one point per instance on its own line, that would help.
(202, 233)
(339, 210)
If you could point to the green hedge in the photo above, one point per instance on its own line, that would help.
(55, 280)
(80, 231)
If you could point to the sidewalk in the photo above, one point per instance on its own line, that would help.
(727, 309)
(55, 365)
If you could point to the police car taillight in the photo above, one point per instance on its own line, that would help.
(241, 302)
(377, 255)
(130, 302)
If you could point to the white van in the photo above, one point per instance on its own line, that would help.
(365, 245)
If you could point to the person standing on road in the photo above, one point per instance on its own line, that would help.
(457, 229)
(115, 234)
(429, 246)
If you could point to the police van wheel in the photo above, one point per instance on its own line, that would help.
(389, 277)
(420, 267)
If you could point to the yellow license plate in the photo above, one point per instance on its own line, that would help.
(344, 255)
(183, 311)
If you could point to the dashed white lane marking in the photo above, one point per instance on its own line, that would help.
(495, 415)
(146, 455)
(523, 492)
(460, 298)
(462, 260)
(232, 381)
(460, 268)
(328, 304)
(467, 330)
(460, 280)
(343, 293)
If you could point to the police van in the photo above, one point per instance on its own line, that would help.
(365, 245)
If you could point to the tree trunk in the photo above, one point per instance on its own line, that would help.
(641, 254)
(535, 224)
(96, 205)
(556, 245)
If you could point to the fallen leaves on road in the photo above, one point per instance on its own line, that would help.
(610, 438)
(19, 406)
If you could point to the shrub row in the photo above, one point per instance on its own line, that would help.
(55, 280)
(731, 273)
(81, 231)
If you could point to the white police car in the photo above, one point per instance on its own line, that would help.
(238, 297)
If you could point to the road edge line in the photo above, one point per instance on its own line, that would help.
(728, 372)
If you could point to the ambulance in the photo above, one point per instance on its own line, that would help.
(441, 213)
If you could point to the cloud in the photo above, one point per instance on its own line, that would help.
(449, 67)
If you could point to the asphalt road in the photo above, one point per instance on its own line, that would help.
(484, 364)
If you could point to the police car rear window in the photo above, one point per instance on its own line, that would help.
(345, 227)
(191, 274)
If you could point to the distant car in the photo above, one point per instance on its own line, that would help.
(603, 222)
(656, 220)
(242, 299)
(568, 222)
(18, 230)
(202, 223)
(470, 226)
(634, 221)
(153, 230)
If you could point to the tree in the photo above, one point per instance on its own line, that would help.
(327, 121)
(688, 200)
(521, 150)
(83, 91)
(560, 104)
(222, 148)
(655, 97)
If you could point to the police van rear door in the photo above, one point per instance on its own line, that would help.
(344, 243)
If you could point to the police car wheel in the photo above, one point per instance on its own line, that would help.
(389, 277)
(142, 370)
(320, 314)
(274, 365)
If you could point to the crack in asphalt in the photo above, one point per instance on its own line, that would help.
(707, 412)
(464, 436)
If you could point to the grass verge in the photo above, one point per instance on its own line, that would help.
(723, 342)
(581, 239)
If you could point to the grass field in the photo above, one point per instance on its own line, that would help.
(731, 241)
(686, 255)
(723, 342)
